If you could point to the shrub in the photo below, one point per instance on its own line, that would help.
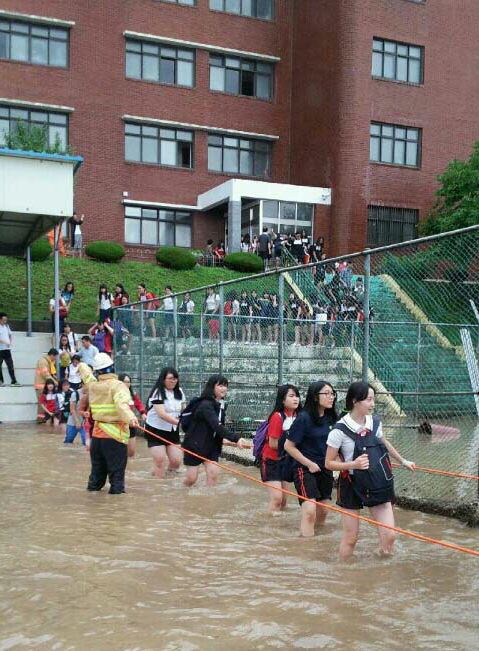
(175, 257)
(41, 249)
(248, 262)
(105, 251)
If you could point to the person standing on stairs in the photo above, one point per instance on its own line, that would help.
(6, 340)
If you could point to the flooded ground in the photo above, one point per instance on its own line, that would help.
(166, 568)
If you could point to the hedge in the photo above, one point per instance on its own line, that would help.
(248, 262)
(175, 257)
(105, 251)
(41, 249)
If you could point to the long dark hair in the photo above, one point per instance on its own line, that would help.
(312, 402)
(160, 384)
(72, 290)
(100, 293)
(357, 392)
(209, 388)
(281, 396)
(122, 377)
(45, 387)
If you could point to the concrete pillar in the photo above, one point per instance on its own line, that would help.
(234, 226)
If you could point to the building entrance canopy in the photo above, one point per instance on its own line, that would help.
(36, 193)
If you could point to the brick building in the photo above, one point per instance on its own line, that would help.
(212, 118)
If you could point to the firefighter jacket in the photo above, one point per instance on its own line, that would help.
(108, 400)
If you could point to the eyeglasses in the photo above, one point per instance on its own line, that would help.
(329, 394)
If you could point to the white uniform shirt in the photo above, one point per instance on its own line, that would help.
(341, 441)
(172, 406)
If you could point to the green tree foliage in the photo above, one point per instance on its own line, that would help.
(458, 197)
(33, 138)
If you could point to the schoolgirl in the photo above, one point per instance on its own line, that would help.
(51, 404)
(244, 316)
(119, 294)
(65, 355)
(105, 302)
(68, 294)
(273, 325)
(306, 444)
(187, 311)
(164, 406)
(168, 306)
(359, 450)
(206, 431)
(72, 338)
(135, 405)
(280, 420)
(73, 373)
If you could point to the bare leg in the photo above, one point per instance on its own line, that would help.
(175, 457)
(132, 446)
(321, 514)
(384, 513)
(308, 519)
(350, 535)
(160, 460)
(191, 476)
(212, 473)
(275, 504)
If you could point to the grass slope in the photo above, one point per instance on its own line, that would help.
(87, 275)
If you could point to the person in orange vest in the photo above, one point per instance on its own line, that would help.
(51, 239)
(45, 370)
(108, 400)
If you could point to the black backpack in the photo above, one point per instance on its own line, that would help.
(186, 416)
(376, 484)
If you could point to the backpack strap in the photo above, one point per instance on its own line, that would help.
(345, 430)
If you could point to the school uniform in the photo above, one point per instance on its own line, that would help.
(206, 432)
(159, 426)
(271, 466)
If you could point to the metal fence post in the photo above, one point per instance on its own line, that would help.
(222, 326)
(351, 365)
(202, 357)
(418, 368)
(29, 291)
(281, 328)
(142, 343)
(175, 332)
(367, 289)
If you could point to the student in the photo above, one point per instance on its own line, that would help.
(68, 293)
(6, 341)
(245, 317)
(306, 444)
(356, 431)
(186, 310)
(119, 294)
(168, 312)
(74, 418)
(206, 432)
(51, 403)
(280, 420)
(151, 306)
(165, 404)
(102, 336)
(135, 404)
(73, 374)
(65, 353)
(72, 337)
(62, 312)
(105, 302)
(256, 314)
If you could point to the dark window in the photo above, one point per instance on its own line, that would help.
(239, 156)
(391, 225)
(159, 145)
(253, 8)
(241, 76)
(398, 61)
(160, 63)
(33, 43)
(155, 226)
(56, 123)
(398, 145)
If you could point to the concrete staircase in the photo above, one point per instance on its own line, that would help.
(19, 404)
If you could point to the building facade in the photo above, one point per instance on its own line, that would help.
(204, 119)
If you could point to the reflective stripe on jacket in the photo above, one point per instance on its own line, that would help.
(109, 404)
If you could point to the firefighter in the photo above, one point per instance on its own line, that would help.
(108, 401)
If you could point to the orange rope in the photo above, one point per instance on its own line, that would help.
(331, 507)
(446, 473)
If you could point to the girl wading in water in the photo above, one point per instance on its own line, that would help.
(205, 430)
(164, 406)
(306, 443)
(358, 449)
(279, 422)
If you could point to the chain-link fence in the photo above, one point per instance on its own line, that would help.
(403, 317)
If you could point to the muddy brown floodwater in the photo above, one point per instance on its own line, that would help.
(166, 568)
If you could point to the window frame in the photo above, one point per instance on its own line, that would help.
(378, 218)
(175, 221)
(227, 148)
(31, 109)
(242, 67)
(28, 33)
(180, 3)
(161, 46)
(159, 139)
(244, 15)
(395, 139)
(396, 56)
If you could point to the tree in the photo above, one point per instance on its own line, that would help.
(33, 138)
(458, 197)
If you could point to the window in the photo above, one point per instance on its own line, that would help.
(155, 226)
(33, 43)
(397, 61)
(56, 123)
(188, 3)
(239, 156)
(389, 143)
(253, 8)
(286, 217)
(391, 225)
(158, 145)
(160, 63)
(241, 76)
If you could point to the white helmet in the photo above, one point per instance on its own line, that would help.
(101, 361)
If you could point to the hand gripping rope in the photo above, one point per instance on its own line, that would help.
(331, 507)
